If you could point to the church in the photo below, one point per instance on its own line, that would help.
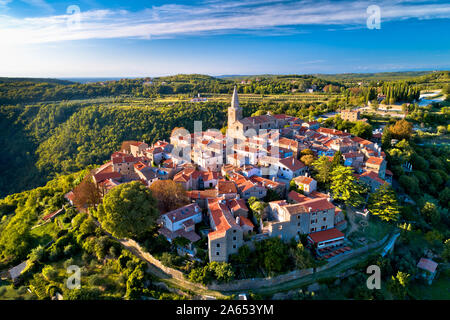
(237, 125)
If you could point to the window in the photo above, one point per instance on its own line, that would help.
(234, 231)
(325, 219)
(218, 245)
(298, 224)
(217, 253)
(234, 238)
(234, 246)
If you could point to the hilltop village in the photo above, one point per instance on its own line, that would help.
(257, 158)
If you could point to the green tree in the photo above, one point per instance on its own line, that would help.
(383, 203)
(338, 159)
(399, 284)
(345, 187)
(431, 213)
(322, 168)
(362, 129)
(128, 210)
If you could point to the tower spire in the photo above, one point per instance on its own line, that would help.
(235, 99)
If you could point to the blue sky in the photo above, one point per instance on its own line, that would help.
(41, 38)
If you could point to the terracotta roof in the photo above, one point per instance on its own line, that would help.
(295, 209)
(334, 132)
(292, 163)
(99, 177)
(267, 182)
(303, 180)
(297, 197)
(224, 186)
(375, 161)
(317, 194)
(237, 204)
(318, 204)
(245, 221)
(361, 141)
(222, 217)
(202, 194)
(427, 264)
(326, 235)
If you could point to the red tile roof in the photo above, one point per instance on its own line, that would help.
(297, 197)
(326, 235)
(318, 204)
(292, 163)
(222, 217)
(303, 180)
(224, 186)
(99, 177)
(245, 221)
(375, 161)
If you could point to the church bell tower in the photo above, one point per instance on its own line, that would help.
(234, 111)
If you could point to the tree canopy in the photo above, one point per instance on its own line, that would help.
(383, 203)
(128, 210)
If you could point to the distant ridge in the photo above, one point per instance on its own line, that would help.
(35, 80)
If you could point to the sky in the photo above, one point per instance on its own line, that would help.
(135, 38)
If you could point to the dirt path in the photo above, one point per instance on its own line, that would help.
(351, 218)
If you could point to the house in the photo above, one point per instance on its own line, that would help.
(289, 144)
(313, 125)
(248, 189)
(181, 223)
(201, 197)
(306, 184)
(246, 225)
(226, 189)
(427, 269)
(326, 239)
(137, 148)
(287, 168)
(350, 115)
(14, 273)
(377, 165)
(353, 159)
(278, 187)
(250, 171)
(227, 235)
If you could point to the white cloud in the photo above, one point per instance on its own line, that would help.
(212, 17)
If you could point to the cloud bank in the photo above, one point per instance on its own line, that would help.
(210, 17)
